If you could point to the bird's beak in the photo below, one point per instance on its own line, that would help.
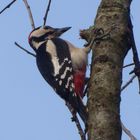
(59, 31)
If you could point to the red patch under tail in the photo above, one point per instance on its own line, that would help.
(79, 81)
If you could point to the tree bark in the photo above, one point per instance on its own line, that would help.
(113, 17)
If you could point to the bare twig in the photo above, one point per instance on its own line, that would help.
(98, 35)
(75, 118)
(135, 54)
(30, 14)
(8, 6)
(46, 14)
(128, 132)
(129, 82)
(24, 49)
(123, 127)
(128, 65)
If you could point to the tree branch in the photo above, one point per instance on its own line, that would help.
(103, 98)
(8, 6)
(46, 14)
(29, 13)
(135, 54)
(128, 132)
(129, 82)
(128, 65)
(76, 120)
(24, 49)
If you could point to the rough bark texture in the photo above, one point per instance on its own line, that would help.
(106, 71)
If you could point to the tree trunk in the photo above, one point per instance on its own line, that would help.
(106, 72)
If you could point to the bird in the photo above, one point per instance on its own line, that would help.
(61, 64)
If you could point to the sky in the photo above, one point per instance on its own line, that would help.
(29, 108)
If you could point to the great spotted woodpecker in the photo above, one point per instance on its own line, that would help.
(61, 64)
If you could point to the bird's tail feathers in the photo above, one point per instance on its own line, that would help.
(81, 109)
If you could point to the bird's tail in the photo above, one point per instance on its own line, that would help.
(81, 109)
(78, 106)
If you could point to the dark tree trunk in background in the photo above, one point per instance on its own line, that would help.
(106, 71)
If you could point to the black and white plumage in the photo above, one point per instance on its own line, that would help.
(54, 62)
(56, 69)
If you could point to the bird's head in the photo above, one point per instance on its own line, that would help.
(42, 34)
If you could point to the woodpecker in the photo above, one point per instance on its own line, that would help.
(61, 64)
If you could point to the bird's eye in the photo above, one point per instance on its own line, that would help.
(35, 39)
(47, 34)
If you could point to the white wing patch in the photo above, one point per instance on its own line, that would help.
(55, 62)
(60, 82)
(65, 72)
(61, 67)
(51, 49)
